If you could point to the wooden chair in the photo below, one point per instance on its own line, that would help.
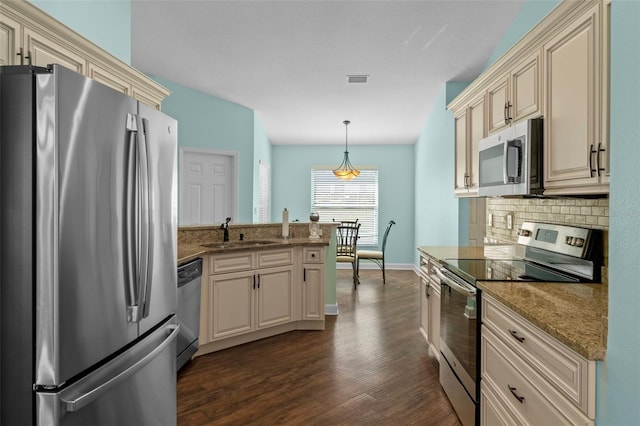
(346, 246)
(376, 256)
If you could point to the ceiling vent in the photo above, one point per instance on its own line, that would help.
(358, 78)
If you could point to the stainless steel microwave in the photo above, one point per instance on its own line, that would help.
(510, 161)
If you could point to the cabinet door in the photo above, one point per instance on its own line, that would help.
(44, 51)
(231, 304)
(109, 79)
(434, 315)
(275, 296)
(477, 125)
(10, 37)
(525, 89)
(497, 98)
(313, 292)
(461, 182)
(424, 307)
(572, 103)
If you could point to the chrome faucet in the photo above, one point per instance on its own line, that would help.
(225, 226)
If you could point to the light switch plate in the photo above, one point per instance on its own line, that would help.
(490, 220)
(510, 221)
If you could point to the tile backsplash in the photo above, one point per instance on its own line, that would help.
(583, 212)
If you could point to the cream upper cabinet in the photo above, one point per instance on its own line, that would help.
(44, 51)
(516, 95)
(470, 124)
(10, 41)
(29, 36)
(575, 145)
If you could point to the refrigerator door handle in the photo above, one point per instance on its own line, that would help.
(145, 241)
(131, 222)
(78, 402)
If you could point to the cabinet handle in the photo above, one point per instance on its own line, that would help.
(426, 291)
(304, 275)
(254, 281)
(509, 105)
(23, 56)
(513, 392)
(591, 169)
(506, 120)
(515, 336)
(599, 158)
(258, 280)
(466, 180)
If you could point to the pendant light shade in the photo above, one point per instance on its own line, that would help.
(345, 170)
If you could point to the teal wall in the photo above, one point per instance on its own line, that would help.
(620, 391)
(531, 13)
(111, 28)
(212, 123)
(436, 209)
(291, 172)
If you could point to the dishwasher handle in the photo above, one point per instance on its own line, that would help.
(189, 272)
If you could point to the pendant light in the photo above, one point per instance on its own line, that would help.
(345, 170)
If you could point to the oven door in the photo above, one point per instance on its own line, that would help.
(459, 338)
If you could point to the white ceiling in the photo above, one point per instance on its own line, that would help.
(289, 60)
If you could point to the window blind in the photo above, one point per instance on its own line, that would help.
(337, 199)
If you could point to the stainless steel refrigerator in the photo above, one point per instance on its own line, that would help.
(87, 255)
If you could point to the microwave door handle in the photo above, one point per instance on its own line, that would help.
(505, 163)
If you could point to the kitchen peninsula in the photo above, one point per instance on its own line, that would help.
(257, 284)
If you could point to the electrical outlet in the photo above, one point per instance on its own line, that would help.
(510, 221)
(490, 220)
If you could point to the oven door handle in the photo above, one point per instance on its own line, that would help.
(454, 285)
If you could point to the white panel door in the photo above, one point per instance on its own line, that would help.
(208, 194)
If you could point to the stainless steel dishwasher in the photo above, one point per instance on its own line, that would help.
(188, 313)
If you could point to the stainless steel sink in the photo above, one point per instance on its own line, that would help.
(243, 243)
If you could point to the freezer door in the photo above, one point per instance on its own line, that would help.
(160, 288)
(136, 388)
(83, 264)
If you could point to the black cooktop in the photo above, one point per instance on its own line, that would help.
(472, 270)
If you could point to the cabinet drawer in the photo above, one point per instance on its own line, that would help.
(571, 374)
(231, 262)
(522, 389)
(274, 258)
(312, 255)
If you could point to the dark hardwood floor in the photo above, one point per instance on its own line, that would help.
(371, 366)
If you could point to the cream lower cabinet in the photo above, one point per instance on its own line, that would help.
(251, 295)
(255, 295)
(430, 303)
(528, 377)
(313, 283)
(576, 95)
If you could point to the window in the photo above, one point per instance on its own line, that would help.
(264, 197)
(337, 199)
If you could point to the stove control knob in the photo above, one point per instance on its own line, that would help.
(578, 242)
(524, 233)
(569, 240)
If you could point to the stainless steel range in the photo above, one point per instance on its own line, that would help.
(553, 253)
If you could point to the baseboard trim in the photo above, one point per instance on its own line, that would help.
(331, 309)
(370, 265)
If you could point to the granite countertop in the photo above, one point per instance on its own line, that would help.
(575, 314)
(192, 250)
